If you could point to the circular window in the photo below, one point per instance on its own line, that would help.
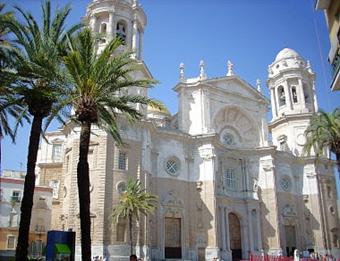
(172, 166)
(228, 139)
(301, 139)
(121, 187)
(285, 184)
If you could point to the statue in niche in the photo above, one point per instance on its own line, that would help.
(282, 96)
(121, 31)
(199, 208)
(294, 94)
(255, 184)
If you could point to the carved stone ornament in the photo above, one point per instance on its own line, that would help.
(288, 211)
(267, 167)
(171, 199)
(208, 156)
(173, 212)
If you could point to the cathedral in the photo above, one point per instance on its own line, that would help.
(229, 183)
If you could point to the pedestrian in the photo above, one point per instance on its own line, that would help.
(133, 258)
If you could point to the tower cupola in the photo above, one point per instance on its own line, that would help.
(291, 84)
(118, 18)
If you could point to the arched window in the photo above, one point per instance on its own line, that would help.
(281, 95)
(121, 31)
(306, 93)
(103, 28)
(294, 95)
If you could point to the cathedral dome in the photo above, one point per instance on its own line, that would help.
(286, 53)
(153, 109)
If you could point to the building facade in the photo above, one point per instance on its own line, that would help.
(11, 192)
(225, 188)
(332, 14)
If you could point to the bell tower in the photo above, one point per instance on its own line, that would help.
(118, 18)
(293, 99)
(124, 19)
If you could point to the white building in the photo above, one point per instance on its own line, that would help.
(11, 193)
(224, 188)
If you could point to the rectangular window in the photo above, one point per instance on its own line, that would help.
(56, 153)
(120, 232)
(16, 196)
(122, 160)
(54, 184)
(67, 163)
(230, 178)
(90, 158)
(11, 242)
(37, 248)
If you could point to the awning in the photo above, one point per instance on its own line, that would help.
(62, 249)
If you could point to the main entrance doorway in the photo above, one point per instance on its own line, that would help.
(235, 236)
(290, 240)
(173, 244)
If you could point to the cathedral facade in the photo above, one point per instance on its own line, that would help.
(228, 182)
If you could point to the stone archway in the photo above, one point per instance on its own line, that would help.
(172, 231)
(235, 236)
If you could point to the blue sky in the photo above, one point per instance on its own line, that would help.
(248, 32)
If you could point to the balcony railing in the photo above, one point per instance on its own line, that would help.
(336, 71)
(16, 199)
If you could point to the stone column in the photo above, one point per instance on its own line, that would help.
(134, 36)
(140, 45)
(93, 21)
(259, 233)
(227, 238)
(316, 107)
(250, 229)
(114, 26)
(223, 232)
(110, 27)
(273, 102)
(301, 94)
(288, 96)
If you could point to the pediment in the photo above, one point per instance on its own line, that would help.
(235, 85)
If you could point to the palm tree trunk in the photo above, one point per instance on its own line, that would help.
(84, 191)
(0, 154)
(130, 234)
(27, 200)
(337, 155)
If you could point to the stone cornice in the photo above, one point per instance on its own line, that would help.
(295, 73)
(287, 118)
(209, 83)
(50, 164)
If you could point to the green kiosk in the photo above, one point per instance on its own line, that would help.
(60, 245)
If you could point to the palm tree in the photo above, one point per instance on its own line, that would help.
(38, 66)
(324, 133)
(7, 78)
(97, 81)
(134, 200)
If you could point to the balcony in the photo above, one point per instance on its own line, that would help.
(16, 199)
(335, 85)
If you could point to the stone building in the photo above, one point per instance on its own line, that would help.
(11, 192)
(225, 188)
(332, 15)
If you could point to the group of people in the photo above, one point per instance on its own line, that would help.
(100, 258)
(134, 258)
